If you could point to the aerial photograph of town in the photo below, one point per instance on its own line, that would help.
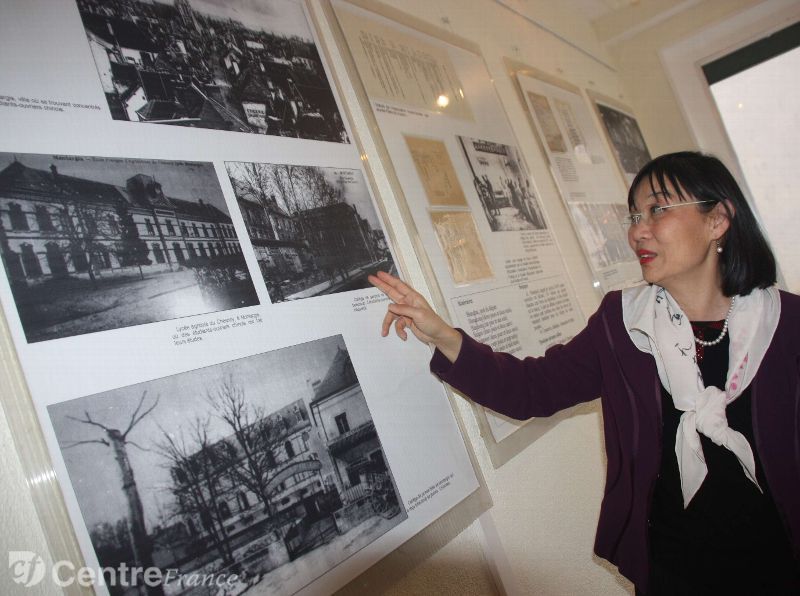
(237, 66)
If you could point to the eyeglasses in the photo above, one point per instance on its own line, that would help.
(656, 211)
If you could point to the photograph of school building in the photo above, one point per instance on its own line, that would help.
(93, 243)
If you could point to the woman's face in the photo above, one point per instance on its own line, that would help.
(676, 248)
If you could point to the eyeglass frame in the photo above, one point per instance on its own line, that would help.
(634, 219)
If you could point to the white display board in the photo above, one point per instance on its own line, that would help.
(587, 179)
(474, 205)
(186, 232)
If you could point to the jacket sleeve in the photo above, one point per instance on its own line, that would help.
(566, 375)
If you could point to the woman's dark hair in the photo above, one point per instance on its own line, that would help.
(746, 261)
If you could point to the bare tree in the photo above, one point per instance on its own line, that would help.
(197, 467)
(118, 441)
(284, 177)
(319, 192)
(254, 179)
(252, 462)
(86, 229)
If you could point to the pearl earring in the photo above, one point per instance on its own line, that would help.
(719, 248)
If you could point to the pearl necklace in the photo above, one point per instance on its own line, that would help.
(702, 342)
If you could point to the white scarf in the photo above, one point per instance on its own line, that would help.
(658, 326)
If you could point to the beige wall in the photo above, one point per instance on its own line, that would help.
(642, 73)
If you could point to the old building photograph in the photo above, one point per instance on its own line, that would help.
(238, 66)
(96, 243)
(268, 467)
(314, 230)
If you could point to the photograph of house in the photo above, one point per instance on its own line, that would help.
(238, 66)
(314, 230)
(94, 243)
(268, 467)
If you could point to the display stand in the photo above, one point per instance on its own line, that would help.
(134, 169)
(502, 233)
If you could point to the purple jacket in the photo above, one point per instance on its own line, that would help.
(602, 361)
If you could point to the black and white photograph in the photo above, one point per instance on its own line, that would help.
(601, 227)
(234, 65)
(503, 186)
(314, 230)
(97, 243)
(626, 139)
(268, 468)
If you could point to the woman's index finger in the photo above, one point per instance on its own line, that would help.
(384, 287)
(397, 283)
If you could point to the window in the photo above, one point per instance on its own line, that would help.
(101, 259)
(342, 424)
(64, 219)
(202, 248)
(170, 228)
(30, 261)
(158, 253)
(113, 226)
(176, 248)
(184, 229)
(149, 224)
(224, 510)
(244, 502)
(211, 250)
(79, 260)
(55, 260)
(214, 232)
(289, 449)
(194, 230)
(205, 231)
(18, 219)
(91, 224)
(43, 219)
(758, 105)
(192, 252)
(353, 477)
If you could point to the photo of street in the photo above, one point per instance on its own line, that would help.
(503, 185)
(239, 66)
(268, 468)
(314, 230)
(96, 243)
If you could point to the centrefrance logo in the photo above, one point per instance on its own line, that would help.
(28, 569)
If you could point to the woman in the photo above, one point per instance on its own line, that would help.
(698, 373)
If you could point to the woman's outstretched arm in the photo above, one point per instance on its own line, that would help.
(410, 310)
(520, 388)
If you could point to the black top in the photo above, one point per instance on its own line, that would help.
(730, 539)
